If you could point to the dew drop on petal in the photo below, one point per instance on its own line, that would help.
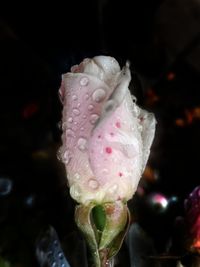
(84, 116)
(70, 119)
(76, 111)
(129, 151)
(99, 95)
(77, 176)
(61, 97)
(74, 191)
(64, 126)
(113, 188)
(94, 118)
(105, 171)
(84, 81)
(136, 110)
(59, 125)
(82, 129)
(78, 105)
(74, 97)
(66, 157)
(86, 97)
(82, 142)
(90, 107)
(134, 98)
(70, 133)
(93, 184)
(58, 154)
(74, 68)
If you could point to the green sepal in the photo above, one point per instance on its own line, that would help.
(104, 227)
(87, 227)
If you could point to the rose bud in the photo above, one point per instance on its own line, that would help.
(106, 142)
(106, 137)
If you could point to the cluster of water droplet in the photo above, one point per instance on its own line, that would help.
(71, 125)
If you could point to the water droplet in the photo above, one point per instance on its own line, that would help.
(77, 176)
(105, 171)
(94, 118)
(84, 116)
(74, 97)
(99, 95)
(60, 255)
(129, 150)
(59, 157)
(55, 243)
(82, 142)
(134, 98)
(90, 107)
(66, 157)
(61, 96)
(82, 129)
(84, 81)
(70, 119)
(63, 265)
(74, 68)
(64, 126)
(78, 105)
(86, 97)
(93, 184)
(70, 133)
(59, 125)
(113, 188)
(101, 74)
(75, 191)
(76, 111)
(75, 122)
(53, 264)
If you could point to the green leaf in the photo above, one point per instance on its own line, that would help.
(99, 217)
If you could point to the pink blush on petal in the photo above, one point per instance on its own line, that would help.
(108, 150)
(118, 124)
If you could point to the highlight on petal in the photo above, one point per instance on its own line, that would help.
(106, 136)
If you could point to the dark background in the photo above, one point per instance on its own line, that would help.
(161, 38)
